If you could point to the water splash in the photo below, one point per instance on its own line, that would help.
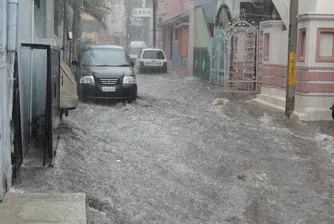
(326, 142)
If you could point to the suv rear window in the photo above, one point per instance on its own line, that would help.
(153, 54)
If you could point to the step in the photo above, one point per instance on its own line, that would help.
(44, 208)
(5, 213)
(262, 102)
(278, 101)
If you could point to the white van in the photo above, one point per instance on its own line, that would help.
(152, 59)
(134, 49)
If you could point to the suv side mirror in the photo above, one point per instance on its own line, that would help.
(132, 64)
(74, 62)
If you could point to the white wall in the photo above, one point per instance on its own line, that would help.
(316, 6)
(4, 159)
(325, 6)
(311, 37)
(283, 8)
(307, 6)
(278, 50)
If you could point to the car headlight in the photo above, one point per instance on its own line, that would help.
(87, 80)
(128, 80)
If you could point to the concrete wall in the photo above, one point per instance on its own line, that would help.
(325, 6)
(315, 80)
(283, 8)
(202, 45)
(209, 9)
(32, 64)
(174, 7)
(307, 7)
(273, 71)
(4, 149)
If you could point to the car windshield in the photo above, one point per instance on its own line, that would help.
(105, 57)
(153, 54)
(134, 51)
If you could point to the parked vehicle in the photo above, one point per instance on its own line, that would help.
(105, 72)
(134, 48)
(332, 108)
(68, 90)
(152, 59)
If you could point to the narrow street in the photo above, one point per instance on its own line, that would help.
(185, 153)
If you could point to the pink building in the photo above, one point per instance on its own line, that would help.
(175, 29)
(315, 62)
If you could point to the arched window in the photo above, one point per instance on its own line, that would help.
(223, 17)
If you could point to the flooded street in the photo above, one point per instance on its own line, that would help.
(185, 153)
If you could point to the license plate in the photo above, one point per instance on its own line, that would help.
(154, 63)
(108, 89)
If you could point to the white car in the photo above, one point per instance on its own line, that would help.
(152, 59)
(134, 49)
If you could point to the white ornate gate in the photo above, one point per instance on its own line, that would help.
(234, 60)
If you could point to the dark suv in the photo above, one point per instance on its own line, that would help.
(105, 72)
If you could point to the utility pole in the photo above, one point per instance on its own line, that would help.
(127, 22)
(291, 78)
(65, 33)
(78, 4)
(154, 23)
(75, 29)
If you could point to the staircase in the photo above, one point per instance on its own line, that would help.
(283, 8)
(43, 208)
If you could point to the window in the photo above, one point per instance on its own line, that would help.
(153, 54)
(266, 46)
(301, 45)
(325, 45)
(105, 57)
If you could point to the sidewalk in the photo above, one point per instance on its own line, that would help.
(36, 208)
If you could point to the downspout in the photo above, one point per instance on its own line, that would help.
(32, 33)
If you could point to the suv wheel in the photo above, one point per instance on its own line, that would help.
(132, 98)
(84, 98)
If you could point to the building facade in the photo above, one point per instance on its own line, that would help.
(185, 30)
(315, 62)
(22, 22)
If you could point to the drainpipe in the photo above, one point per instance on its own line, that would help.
(32, 33)
(12, 27)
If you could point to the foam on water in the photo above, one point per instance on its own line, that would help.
(326, 142)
